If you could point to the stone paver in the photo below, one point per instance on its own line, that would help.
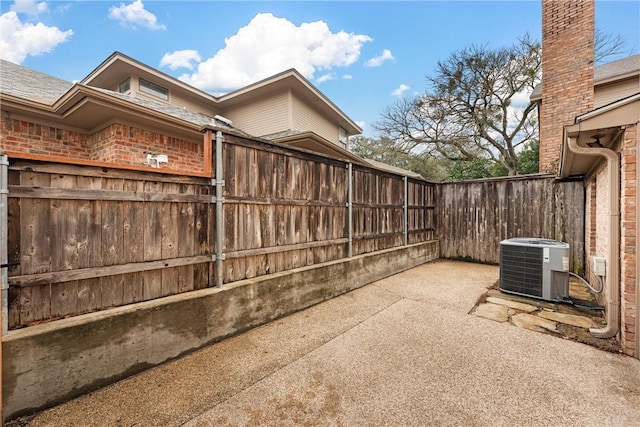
(499, 313)
(513, 304)
(534, 323)
(569, 319)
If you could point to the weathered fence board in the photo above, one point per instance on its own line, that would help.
(76, 255)
(87, 239)
(474, 216)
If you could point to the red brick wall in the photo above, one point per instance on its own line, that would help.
(629, 239)
(567, 72)
(26, 137)
(124, 144)
(117, 143)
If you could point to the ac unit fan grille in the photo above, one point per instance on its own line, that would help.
(521, 270)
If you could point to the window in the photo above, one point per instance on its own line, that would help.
(154, 89)
(343, 138)
(124, 85)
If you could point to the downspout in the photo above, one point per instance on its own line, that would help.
(613, 288)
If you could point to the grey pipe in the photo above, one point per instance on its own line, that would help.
(405, 221)
(350, 209)
(219, 210)
(613, 289)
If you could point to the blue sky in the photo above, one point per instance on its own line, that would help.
(360, 54)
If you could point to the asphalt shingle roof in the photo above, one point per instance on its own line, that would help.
(604, 72)
(29, 84)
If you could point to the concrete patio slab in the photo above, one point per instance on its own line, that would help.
(401, 351)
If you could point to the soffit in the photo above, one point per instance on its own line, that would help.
(601, 126)
(119, 66)
(312, 142)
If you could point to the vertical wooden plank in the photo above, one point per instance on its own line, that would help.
(14, 227)
(169, 240)
(35, 234)
(133, 242)
(186, 242)
(204, 239)
(90, 247)
(112, 287)
(13, 251)
(65, 246)
(35, 249)
(152, 280)
(89, 295)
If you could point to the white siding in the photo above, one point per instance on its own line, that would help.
(262, 116)
(307, 119)
(609, 93)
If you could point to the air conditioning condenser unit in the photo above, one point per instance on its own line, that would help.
(534, 267)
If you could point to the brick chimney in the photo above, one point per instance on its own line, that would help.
(567, 72)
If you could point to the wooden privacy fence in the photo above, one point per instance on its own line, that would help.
(82, 239)
(474, 216)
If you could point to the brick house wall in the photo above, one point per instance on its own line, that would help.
(597, 233)
(567, 72)
(628, 239)
(117, 143)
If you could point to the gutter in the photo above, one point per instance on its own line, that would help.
(613, 289)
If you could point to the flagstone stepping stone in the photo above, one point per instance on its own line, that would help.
(534, 323)
(499, 313)
(524, 300)
(513, 304)
(569, 319)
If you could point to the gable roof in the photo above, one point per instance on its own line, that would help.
(118, 66)
(291, 79)
(85, 107)
(603, 74)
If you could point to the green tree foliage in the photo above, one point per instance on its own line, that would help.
(475, 110)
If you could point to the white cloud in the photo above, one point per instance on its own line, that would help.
(326, 77)
(135, 15)
(521, 99)
(361, 123)
(180, 59)
(30, 7)
(400, 90)
(268, 45)
(19, 40)
(347, 76)
(377, 61)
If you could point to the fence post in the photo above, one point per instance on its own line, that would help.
(219, 210)
(405, 225)
(350, 208)
(4, 256)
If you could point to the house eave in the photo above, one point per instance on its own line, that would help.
(602, 125)
(290, 80)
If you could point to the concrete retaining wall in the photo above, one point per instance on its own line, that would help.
(47, 364)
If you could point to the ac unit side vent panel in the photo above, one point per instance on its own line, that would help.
(521, 270)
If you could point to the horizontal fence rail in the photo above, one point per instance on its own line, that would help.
(82, 239)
